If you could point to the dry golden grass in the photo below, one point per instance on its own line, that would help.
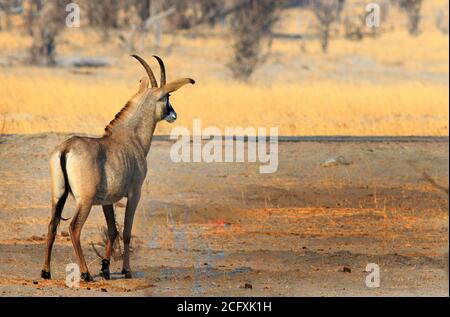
(389, 85)
(325, 108)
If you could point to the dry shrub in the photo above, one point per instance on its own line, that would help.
(117, 251)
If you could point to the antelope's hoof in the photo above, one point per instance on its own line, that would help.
(87, 277)
(46, 274)
(127, 273)
(105, 269)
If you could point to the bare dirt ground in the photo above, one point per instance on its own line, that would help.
(210, 229)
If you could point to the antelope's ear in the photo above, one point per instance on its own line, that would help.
(143, 84)
(172, 86)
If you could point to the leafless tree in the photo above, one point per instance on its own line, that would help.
(5, 7)
(10, 7)
(190, 13)
(442, 18)
(355, 20)
(211, 11)
(326, 12)
(46, 24)
(103, 14)
(143, 8)
(412, 9)
(31, 13)
(251, 24)
(153, 22)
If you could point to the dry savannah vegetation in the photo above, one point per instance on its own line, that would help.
(391, 84)
(225, 229)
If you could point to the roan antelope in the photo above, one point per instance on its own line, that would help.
(100, 171)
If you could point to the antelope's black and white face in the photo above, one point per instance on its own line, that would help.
(169, 113)
(164, 110)
(161, 94)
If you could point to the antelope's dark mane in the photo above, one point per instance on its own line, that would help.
(118, 117)
(124, 113)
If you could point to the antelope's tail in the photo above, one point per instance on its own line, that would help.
(60, 180)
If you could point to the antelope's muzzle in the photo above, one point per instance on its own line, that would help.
(172, 115)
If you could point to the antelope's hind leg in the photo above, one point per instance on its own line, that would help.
(57, 208)
(108, 211)
(83, 210)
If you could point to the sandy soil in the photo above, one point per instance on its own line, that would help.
(210, 229)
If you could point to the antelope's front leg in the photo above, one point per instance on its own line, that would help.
(133, 200)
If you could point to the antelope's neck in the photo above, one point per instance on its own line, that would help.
(141, 126)
(137, 129)
(144, 134)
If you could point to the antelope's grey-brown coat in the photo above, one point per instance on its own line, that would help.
(101, 171)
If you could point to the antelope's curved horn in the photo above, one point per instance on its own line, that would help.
(163, 70)
(147, 69)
